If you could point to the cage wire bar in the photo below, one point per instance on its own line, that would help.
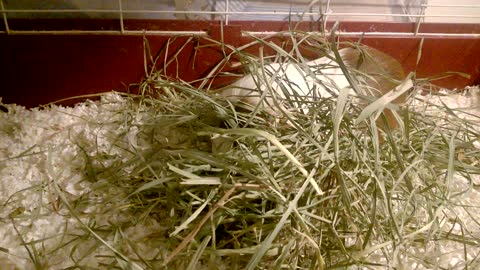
(225, 18)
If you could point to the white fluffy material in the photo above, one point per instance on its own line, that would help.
(37, 146)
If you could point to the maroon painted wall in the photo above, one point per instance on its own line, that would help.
(38, 69)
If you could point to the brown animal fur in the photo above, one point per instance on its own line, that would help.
(384, 73)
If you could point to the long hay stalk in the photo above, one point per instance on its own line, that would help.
(180, 178)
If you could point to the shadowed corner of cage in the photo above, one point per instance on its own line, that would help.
(476, 80)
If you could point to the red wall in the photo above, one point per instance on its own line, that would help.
(37, 69)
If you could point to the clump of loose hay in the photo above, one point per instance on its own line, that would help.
(177, 178)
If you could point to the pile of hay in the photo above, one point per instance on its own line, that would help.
(177, 178)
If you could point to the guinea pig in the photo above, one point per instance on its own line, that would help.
(375, 73)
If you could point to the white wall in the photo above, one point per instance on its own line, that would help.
(431, 11)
